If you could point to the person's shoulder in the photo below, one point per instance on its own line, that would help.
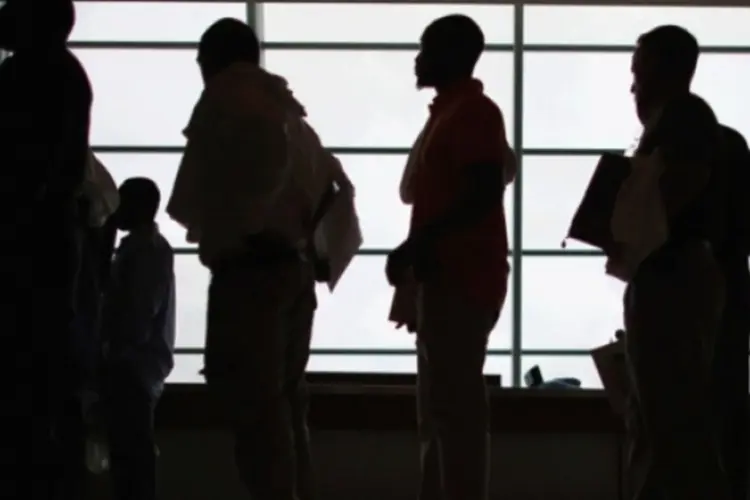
(691, 108)
(162, 245)
(481, 109)
(68, 70)
(734, 140)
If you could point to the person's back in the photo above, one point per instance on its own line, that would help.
(45, 104)
(731, 362)
(243, 194)
(138, 326)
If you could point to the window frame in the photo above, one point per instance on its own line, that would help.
(519, 49)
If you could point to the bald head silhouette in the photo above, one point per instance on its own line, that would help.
(50, 21)
(450, 49)
(224, 43)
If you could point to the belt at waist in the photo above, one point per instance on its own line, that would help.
(667, 255)
(263, 250)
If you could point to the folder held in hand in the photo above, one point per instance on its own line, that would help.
(591, 223)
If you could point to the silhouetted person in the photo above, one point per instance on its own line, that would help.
(675, 300)
(251, 180)
(45, 104)
(456, 252)
(139, 330)
(730, 360)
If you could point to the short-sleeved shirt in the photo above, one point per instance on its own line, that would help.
(465, 128)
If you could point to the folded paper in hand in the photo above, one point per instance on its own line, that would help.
(591, 223)
(339, 237)
(611, 365)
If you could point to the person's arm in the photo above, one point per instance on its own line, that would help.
(107, 241)
(62, 144)
(481, 150)
(139, 285)
(342, 180)
(510, 166)
(688, 144)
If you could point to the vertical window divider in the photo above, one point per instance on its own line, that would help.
(516, 275)
(254, 18)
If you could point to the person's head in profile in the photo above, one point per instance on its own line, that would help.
(139, 204)
(224, 43)
(663, 65)
(450, 48)
(51, 22)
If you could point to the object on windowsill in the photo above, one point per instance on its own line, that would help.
(561, 383)
(534, 380)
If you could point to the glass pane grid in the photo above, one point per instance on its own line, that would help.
(522, 358)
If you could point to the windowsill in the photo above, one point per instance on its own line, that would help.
(392, 407)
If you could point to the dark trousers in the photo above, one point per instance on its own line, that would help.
(130, 426)
(453, 409)
(257, 346)
(673, 312)
(59, 435)
(731, 382)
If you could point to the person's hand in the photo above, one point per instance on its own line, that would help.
(399, 263)
(416, 254)
(411, 328)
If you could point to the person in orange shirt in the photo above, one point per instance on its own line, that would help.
(457, 252)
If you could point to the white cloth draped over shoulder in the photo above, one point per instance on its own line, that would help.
(101, 190)
(252, 163)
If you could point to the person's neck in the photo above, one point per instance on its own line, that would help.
(672, 93)
(143, 227)
(669, 95)
(36, 50)
(452, 83)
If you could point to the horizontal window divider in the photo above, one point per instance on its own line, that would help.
(619, 3)
(362, 252)
(356, 150)
(189, 351)
(381, 252)
(132, 45)
(383, 46)
(328, 46)
(368, 151)
(561, 252)
(409, 352)
(166, 1)
(569, 151)
(612, 48)
(374, 46)
(123, 149)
